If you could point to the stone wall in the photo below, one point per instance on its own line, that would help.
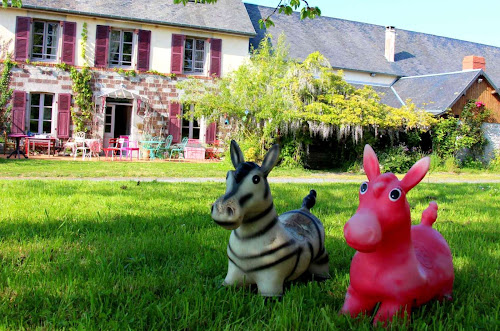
(492, 134)
(156, 91)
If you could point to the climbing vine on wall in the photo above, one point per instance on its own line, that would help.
(82, 114)
(83, 42)
(5, 90)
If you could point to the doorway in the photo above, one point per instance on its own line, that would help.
(117, 120)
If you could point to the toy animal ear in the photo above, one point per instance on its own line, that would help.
(370, 163)
(236, 155)
(415, 174)
(270, 160)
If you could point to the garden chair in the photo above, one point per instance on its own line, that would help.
(80, 145)
(7, 144)
(112, 147)
(130, 147)
(179, 148)
(165, 148)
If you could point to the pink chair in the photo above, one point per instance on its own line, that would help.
(128, 147)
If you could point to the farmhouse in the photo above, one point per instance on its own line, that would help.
(139, 51)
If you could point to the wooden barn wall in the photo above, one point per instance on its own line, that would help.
(480, 92)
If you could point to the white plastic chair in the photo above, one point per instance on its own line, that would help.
(80, 145)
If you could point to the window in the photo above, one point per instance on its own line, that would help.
(194, 56)
(108, 120)
(40, 113)
(121, 48)
(190, 128)
(45, 40)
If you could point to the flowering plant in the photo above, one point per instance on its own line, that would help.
(479, 104)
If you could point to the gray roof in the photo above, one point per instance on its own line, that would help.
(360, 46)
(386, 94)
(224, 16)
(436, 93)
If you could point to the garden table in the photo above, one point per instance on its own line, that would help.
(152, 146)
(17, 151)
(49, 142)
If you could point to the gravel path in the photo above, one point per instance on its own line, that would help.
(299, 180)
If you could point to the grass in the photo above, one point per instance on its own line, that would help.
(27, 168)
(117, 255)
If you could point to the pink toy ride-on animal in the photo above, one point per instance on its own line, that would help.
(397, 264)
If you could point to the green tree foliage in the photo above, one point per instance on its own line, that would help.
(272, 96)
(284, 7)
(82, 115)
(13, 3)
(452, 135)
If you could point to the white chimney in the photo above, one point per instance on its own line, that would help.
(390, 43)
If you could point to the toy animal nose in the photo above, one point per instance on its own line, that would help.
(362, 232)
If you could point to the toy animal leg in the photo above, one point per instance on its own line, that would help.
(270, 284)
(319, 267)
(355, 304)
(235, 276)
(389, 309)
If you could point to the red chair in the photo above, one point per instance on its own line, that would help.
(112, 147)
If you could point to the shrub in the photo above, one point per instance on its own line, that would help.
(399, 159)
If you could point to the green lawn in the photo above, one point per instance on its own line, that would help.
(27, 168)
(115, 255)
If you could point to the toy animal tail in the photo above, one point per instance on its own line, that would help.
(310, 200)
(430, 214)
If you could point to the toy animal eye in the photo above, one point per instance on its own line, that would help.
(395, 194)
(364, 188)
(255, 179)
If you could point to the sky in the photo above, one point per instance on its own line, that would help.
(476, 21)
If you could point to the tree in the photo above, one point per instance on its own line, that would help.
(284, 7)
(271, 97)
(14, 3)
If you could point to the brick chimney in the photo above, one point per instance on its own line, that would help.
(390, 43)
(473, 62)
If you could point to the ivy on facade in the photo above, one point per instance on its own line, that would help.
(82, 114)
(5, 90)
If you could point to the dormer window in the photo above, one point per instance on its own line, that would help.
(45, 41)
(194, 56)
(121, 48)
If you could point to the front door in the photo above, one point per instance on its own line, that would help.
(109, 124)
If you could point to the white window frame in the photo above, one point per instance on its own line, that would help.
(191, 126)
(120, 49)
(45, 57)
(41, 109)
(193, 56)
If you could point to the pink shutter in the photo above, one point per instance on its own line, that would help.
(18, 112)
(177, 59)
(174, 121)
(63, 115)
(211, 130)
(101, 46)
(143, 50)
(23, 27)
(68, 43)
(215, 57)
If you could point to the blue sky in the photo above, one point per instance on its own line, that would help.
(476, 21)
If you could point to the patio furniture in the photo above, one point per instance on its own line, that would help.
(165, 149)
(17, 152)
(179, 148)
(129, 147)
(95, 147)
(152, 146)
(80, 145)
(7, 144)
(112, 147)
(40, 141)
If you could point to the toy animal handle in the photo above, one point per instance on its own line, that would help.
(429, 215)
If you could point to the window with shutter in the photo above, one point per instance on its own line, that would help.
(68, 43)
(121, 48)
(18, 112)
(176, 61)
(44, 41)
(215, 57)
(143, 49)
(174, 121)
(40, 113)
(101, 46)
(23, 27)
(63, 115)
